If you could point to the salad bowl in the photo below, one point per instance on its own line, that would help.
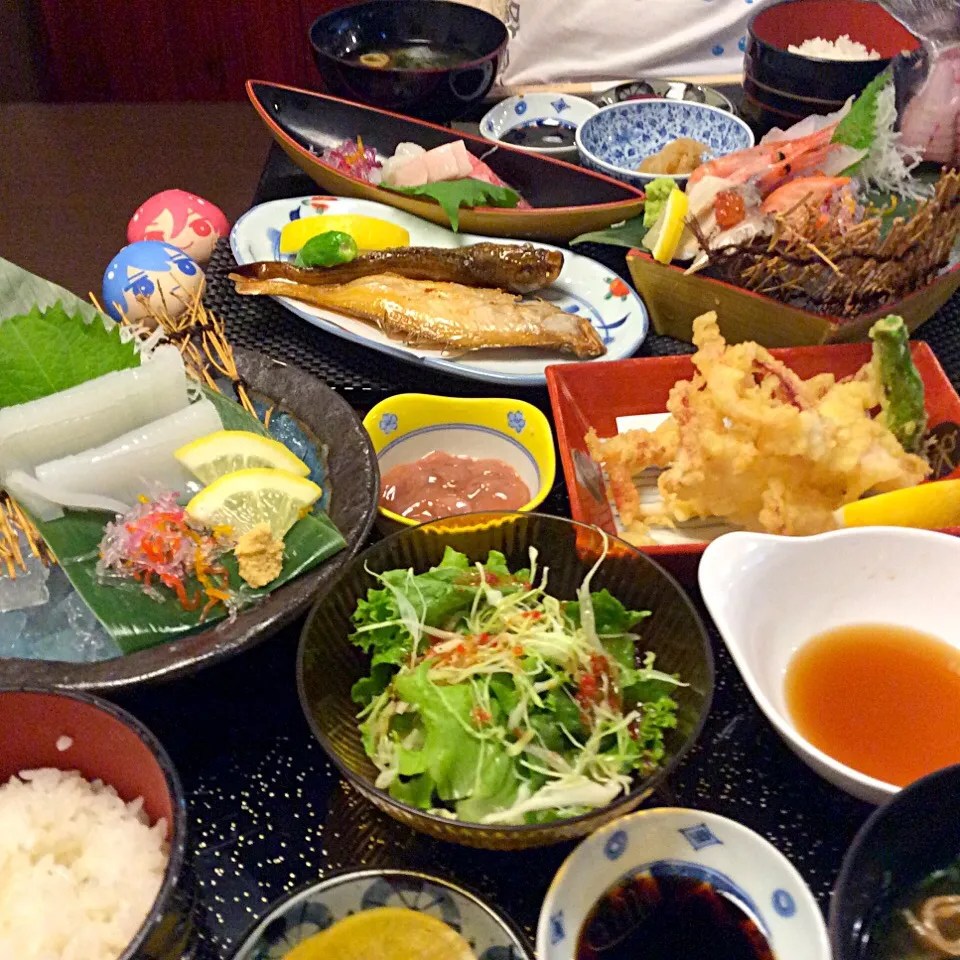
(329, 664)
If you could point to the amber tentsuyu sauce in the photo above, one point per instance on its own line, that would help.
(442, 485)
(881, 699)
(669, 917)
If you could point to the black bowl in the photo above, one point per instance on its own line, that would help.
(780, 87)
(438, 93)
(110, 745)
(904, 841)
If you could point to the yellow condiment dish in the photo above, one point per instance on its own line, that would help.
(408, 426)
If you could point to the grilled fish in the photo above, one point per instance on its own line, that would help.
(443, 315)
(517, 268)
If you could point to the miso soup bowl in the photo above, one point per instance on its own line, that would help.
(409, 426)
(902, 843)
(738, 863)
(769, 595)
(76, 731)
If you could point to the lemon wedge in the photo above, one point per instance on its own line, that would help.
(929, 505)
(385, 933)
(210, 457)
(245, 499)
(671, 226)
(369, 233)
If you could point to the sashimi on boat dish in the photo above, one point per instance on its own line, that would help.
(828, 215)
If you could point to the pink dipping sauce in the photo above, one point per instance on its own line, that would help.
(441, 485)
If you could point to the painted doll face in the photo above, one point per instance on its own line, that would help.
(182, 219)
(148, 275)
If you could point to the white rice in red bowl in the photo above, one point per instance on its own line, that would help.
(88, 869)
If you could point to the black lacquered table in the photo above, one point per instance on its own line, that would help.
(268, 810)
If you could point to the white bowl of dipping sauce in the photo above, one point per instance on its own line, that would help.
(669, 883)
(850, 644)
(443, 456)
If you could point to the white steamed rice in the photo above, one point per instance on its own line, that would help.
(79, 868)
(843, 48)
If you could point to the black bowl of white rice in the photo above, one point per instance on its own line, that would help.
(93, 826)
(807, 57)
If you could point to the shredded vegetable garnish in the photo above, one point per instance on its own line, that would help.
(492, 701)
(354, 159)
(154, 545)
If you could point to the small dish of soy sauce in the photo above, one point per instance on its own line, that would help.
(675, 884)
(544, 123)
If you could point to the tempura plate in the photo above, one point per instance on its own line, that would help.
(584, 287)
(595, 396)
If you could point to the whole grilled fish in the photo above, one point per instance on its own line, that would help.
(445, 315)
(517, 268)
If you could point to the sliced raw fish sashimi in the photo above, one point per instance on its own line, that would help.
(480, 171)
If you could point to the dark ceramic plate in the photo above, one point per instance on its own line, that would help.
(354, 484)
(473, 39)
(566, 200)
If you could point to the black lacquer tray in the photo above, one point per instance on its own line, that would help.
(269, 812)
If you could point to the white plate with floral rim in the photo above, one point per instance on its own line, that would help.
(314, 909)
(584, 287)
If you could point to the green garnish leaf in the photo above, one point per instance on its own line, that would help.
(858, 129)
(630, 234)
(44, 352)
(610, 615)
(454, 194)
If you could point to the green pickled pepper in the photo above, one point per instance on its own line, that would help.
(327, 250)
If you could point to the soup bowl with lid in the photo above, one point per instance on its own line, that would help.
(735, 863)
(770, 595)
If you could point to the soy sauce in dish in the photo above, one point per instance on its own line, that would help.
(442, 485)
(541, 134)
(669, 917)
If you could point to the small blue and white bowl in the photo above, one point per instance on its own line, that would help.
(301, 915)
(618, 138)
(736, 862)
(542, 110)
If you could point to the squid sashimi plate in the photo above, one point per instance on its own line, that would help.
(611, 314)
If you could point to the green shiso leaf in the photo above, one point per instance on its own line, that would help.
(630, 234)
(454, 194)
(135, 620)
(858, 129)
(43, 352)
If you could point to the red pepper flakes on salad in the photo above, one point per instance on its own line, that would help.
(491, 701)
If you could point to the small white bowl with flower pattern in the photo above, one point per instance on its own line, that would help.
(552, 118)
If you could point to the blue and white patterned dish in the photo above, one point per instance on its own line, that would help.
(533, 109)
(303, 914)
(584, 287)
(734, 860)
(616, 139)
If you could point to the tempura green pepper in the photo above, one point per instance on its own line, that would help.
(902, 403)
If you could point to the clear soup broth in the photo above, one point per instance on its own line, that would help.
(416, 55)
(923, 924)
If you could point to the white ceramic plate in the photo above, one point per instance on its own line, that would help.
(584, 286)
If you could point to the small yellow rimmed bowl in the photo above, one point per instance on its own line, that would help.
(408, 426)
